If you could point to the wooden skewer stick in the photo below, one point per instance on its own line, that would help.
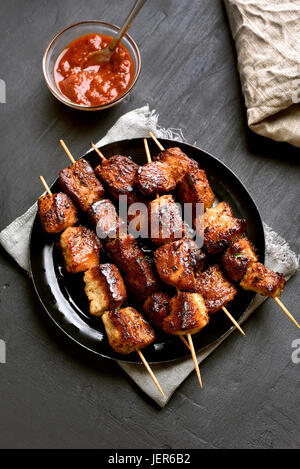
(233, 320)
(67, 151)
(45, 185)
(286, 311)
(194, 358)
(156, 141)
(151, 372)
(98, 152)
(184, 341)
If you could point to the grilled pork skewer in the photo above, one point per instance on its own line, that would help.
(126, 329)
(221, 228)
(178, 162)
(127, 332)
(104, 288)
(155, 177)
(174, 221)
(176, 263)
(80, 249)
(79, 182)
(104, 218)
(214, 242)
(172, 261)
(56, 211)
(137, 269)
(194, 188)
(217, 291)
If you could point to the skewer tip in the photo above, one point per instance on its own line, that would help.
(195, 359)
(146, 364)
(284, 309)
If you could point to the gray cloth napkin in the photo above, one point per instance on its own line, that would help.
(16, 237)
(267, 40)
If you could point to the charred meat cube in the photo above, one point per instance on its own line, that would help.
(104, 217)
(57, 212)
(104, 288)
(262, 280)
(188, 314)
(127, 330)
(80, 183)
(140, 279)
(80, 248)
(123, 251)
(238, 257)
(156, 308)
(176, 263)
(178, 161)
(155, 177)
(221, 228)
(194, 188)
(215, 288)
(165, 220)
(118, 174)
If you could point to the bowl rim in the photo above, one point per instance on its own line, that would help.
(84, 107)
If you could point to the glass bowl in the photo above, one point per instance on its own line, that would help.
(65, 37)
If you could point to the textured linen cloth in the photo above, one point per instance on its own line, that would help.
(267, 39)
(16, 238)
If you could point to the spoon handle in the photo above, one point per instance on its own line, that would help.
(127, 23)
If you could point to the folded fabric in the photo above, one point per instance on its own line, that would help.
(267, 39)
(16, 238)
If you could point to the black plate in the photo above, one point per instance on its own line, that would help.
(62, 294)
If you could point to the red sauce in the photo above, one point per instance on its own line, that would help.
(97, 84)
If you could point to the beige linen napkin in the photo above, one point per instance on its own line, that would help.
(16, 237)
(267, 39)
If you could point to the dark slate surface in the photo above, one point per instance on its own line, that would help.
(52, 393)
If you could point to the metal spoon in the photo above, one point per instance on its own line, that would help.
(104, 55)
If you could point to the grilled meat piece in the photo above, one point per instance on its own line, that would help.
(140, 279)
(127, 330)
(80, 183)
(216, 289)
(104, 288)
(123, 251)
(262, 280)
(118, 174)
(155, 177)
(156, 308)
(176, 263)
(194, 188)
(165, 220)
(238, 257)
(221, 228)
(80, 248)
(188, 314)
(57, 212)
(104, 217)
(178, 161)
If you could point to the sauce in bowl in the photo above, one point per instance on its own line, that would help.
(98, 84)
